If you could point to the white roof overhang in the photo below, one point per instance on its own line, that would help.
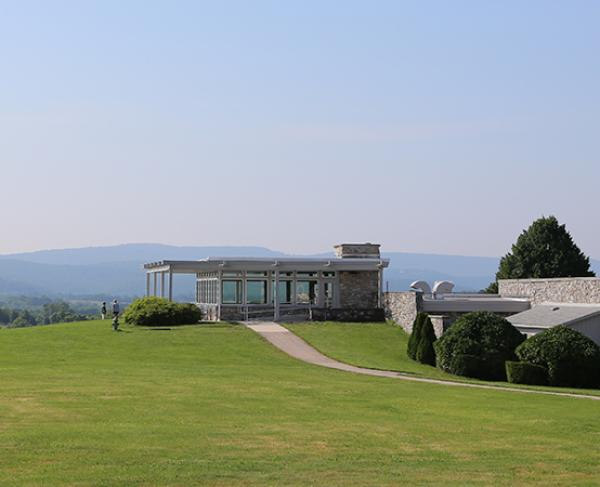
(213, 264)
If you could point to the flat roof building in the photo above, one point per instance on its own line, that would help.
(584, 318)
(348, 286)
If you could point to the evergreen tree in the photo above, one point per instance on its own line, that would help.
(545, 250)
(415, 335)
(425, 351)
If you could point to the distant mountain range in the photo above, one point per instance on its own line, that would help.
(117, 270)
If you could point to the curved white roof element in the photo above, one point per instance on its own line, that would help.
(421, 286)
(443, 287)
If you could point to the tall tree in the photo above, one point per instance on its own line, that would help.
(545, 250)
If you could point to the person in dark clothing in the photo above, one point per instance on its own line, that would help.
(116, 310)
(103, 310)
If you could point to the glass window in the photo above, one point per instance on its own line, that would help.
(328, 274)
(307, 292)
(284, 292)
(256, 274)
(307, 274)
(328, 291)
(256, 292)
(232, 292)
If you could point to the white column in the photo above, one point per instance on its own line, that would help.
(147, 284)
(219, 292)
(245, 295)
(170, 284)
(380, 300)
(276, 296)
(162, 284)
(155, 284)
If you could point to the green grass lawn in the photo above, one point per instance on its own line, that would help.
(217, 405)
(383, 346)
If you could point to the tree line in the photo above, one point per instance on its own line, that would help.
(53, 312)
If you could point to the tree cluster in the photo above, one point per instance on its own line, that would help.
(53, 312)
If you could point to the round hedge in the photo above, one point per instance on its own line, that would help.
(153, 311)
(477, 345)
(571, 358)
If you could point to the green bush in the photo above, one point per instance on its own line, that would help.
(466, 365)
(425, 352)
(571, 359)
(415, 335)
(486, 336)
(526, 373)
(153, 311)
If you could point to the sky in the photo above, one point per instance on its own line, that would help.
(426, 126)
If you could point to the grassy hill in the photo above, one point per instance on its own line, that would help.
(216, 405)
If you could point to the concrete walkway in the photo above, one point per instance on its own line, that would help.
(294, 346)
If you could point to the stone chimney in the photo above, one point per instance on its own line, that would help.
(357, 251)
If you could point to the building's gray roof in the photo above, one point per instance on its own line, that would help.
(548, 315)
(260, 263)
(467, 303)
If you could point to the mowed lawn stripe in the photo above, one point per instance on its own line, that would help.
(216, 405)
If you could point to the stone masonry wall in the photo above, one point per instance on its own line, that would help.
(352, 315)
(561, 290)
(359, 289)
(402, 307)
(353, 251)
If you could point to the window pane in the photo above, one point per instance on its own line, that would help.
(328, 291)
(328, 274)
(307, 274)
(256, 274)
(256, 292)
(307, 292)
(232, 292)
(284, 292)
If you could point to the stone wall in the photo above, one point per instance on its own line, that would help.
(357, 251)
(359, 289)
(402, 307)
(560, 290)
(351, 315)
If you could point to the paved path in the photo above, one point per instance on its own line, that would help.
(293, 345)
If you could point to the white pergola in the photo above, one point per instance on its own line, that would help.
(157, 273)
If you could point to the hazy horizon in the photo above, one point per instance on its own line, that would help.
(429, 127)
(267, 247)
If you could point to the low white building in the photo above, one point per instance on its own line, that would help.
(347, 287)
(531, 305)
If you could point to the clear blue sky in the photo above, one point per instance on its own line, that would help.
(427, 126)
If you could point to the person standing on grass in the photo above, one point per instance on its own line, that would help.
(103, 310)
(115, 309)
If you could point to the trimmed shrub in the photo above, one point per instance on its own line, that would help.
(571, 358)
(526, 373)
(153, 311)
(425, 352)
(483, 335)
(466, 365)
(415, 335)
